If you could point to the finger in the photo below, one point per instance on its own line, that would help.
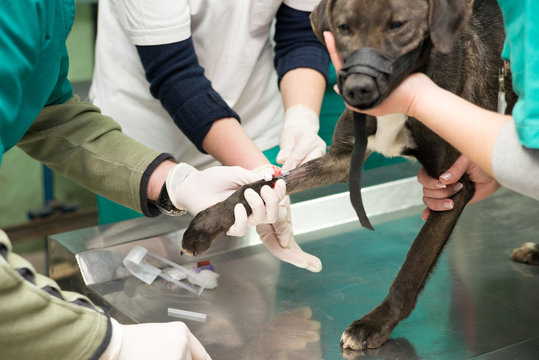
(445, 193)
(455, 172)
(428, 181)
(197, 350)
(308, 147)
(291, 254)
(239, 228)
(280, 189)
(313, 263)
(238, 176)
(329, 39)
(257, 206)
(438, 205)
(290, 163)
(316, 153)
(272, 204)
(426, 213)
(283, 227)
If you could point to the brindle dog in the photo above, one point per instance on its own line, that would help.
(455, 42)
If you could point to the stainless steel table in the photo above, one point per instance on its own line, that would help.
(478, 304)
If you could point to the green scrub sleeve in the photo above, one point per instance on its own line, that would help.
(39, 321)
(77, 141)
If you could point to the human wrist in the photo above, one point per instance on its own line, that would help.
(114, 348)
(157, 179)
(421, 89)
(175, 177)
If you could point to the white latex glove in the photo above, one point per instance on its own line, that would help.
(279, 240)
(275, 226)
(163, 341)
(194, 191)
(299, 140)
(265, 208)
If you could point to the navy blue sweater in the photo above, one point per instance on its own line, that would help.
(177, 79)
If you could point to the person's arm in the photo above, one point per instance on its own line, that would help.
(227, 142)
(161, 32)
(469, 128)
(76, 140)
(178, 81)
(477, 133)
(302, 65)
(39, 320)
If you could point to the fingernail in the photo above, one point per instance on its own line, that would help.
(314, 267)
(448, 205)
(439, 185)
(457, 187)
(446, 176)
(336, 89)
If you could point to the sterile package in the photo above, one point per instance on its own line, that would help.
(141, 269)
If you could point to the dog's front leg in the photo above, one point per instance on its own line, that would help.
(215, 220)
(374, 329)
(331, 168)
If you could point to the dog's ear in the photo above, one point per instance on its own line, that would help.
(446, 18)
(320, 21)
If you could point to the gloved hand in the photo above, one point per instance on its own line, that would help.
(193, 190)
(279, 240)
(299, 140)
(164, 341)
(275, 226)
(265, 208)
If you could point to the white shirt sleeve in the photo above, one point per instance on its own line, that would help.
(515, 166)
(302, 5)
(155, 22)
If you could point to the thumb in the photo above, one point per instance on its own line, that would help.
(329, 39)
(455, 172)
(240, 176)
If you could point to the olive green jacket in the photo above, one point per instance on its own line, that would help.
(39, 321)
(77, 141)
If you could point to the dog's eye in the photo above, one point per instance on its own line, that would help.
(344, 28)
(394, 25)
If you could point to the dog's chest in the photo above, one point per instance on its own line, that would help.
(391, 136)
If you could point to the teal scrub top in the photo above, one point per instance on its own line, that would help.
(33, 62)
(522, 50)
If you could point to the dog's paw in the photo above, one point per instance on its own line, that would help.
(206, 227)
(371, 331)
(527, 253)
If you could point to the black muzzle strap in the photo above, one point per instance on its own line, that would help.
(386, 71)
(356, 164)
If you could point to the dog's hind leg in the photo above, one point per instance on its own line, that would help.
(331, 168)
(374, 329)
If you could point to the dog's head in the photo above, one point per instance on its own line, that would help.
(383, 41)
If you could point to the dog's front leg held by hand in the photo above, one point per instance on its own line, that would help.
(231, 214)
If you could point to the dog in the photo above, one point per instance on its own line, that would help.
(457, 43)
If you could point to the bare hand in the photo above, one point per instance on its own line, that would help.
(436, 192)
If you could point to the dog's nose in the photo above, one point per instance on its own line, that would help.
(360, 90)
